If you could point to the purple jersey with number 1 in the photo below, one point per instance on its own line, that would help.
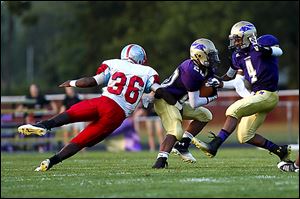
(260, 70)
(186, 77)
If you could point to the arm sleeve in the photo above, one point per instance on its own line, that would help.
(152, 83)
(102, 74)
(276, 51)
(100, 79)
(196, 101)
(237, 84)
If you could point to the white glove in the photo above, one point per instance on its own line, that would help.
(146, 100)
(212, 82)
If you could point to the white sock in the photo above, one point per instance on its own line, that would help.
(296, 166)
(163, 154)
(187, 135)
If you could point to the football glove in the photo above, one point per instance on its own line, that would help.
(146, 100)
(213, 82)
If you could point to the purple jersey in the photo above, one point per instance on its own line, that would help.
(186, 77)
(260, 70)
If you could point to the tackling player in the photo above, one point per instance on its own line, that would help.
(258, 60)
(126, 80)
(184, 84)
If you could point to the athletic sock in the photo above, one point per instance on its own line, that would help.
(223, 135)
(163, 154)
(270, 146)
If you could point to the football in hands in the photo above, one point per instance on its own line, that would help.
(206, 91)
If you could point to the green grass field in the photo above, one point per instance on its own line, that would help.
(234, 172)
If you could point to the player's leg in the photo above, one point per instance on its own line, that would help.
(94, 133)
(110, 117)
(262, 101)
(83, 111)
(200, 116)
(172, 122)
(246, 134)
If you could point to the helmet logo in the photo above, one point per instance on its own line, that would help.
(246, 27)
(199, 46)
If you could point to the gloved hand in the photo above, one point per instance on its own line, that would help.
(146, 100)
(213, 82)
(264, 49)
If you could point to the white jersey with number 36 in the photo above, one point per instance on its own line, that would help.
(126, 82)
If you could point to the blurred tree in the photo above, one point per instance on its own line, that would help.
(70, 39)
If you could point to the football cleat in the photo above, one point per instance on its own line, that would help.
(44, 166)
(209, 149)
(183, 152)
(29, 129)
(287, 166)
(284, 153)
(160, 163)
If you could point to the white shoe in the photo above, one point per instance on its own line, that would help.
(29, 129)
(185, 156)
(287, 166)
(44, 165)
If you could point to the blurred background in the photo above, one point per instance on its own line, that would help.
(46, 43)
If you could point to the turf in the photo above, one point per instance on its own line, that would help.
(234, 172)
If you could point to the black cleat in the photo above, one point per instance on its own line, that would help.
(210, 149)
(181, 149)
(160, 163)
(284, 153)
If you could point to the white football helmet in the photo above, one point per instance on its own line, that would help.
(243, 31)
(203, 52)
(134, 53)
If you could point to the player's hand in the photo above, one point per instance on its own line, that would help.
(264, 49)
(214, 82)
(146, 100)
(65, 84)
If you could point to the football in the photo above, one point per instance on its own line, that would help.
(207, 91)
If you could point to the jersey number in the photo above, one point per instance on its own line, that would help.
(251, 70)
(119, 82)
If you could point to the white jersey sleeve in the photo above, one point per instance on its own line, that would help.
(127, 82)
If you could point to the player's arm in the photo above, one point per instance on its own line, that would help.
(237, 83)
(270, 48)
(100, 78)
(161, 92)
(81, 83)
(196, 101)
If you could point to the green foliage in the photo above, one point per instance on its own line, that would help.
(233, 173)
(70, 39)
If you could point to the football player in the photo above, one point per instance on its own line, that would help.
(126, 80)
(184, 84)
(258, 60)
